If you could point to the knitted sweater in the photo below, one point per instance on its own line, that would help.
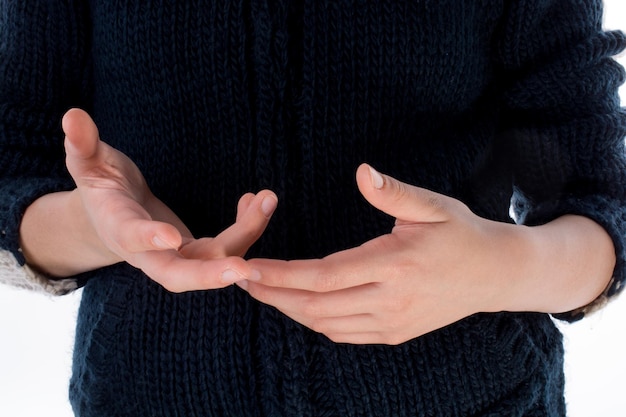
(487, 101)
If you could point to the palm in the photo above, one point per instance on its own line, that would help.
(135, 226)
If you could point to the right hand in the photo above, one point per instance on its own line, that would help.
(130, 224)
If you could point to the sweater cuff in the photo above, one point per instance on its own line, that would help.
(15, 196)
(23, 276)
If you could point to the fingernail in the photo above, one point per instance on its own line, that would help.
(230, 276)
(161, 243)
(377, 179)
(268, 205)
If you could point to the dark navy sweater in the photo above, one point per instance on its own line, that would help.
(497, 103)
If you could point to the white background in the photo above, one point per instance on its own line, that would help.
(36, 334)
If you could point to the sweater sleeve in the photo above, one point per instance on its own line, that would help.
(44, 70)
(563, 127)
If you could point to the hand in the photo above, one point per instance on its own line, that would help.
(439, 264)
(129, 223)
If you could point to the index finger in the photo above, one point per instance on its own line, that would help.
(346, 269)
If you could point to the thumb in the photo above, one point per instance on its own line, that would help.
(81, 134)
(400, 200)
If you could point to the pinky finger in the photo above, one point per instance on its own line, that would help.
(358, 338)
(250, 224)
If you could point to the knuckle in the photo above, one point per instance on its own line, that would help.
(400, 191)
(435, 202)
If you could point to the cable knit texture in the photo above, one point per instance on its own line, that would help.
(484, 101)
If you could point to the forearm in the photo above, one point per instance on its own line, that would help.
(566, 264)
(57, 238)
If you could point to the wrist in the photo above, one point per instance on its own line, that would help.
(58, 239)
(554, 268)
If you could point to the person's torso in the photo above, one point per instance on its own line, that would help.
(213, 99)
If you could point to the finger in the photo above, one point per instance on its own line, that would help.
(250, 225)
(338, 315)
(81, 134)
(178, 274)
(253, 217)
(160, 212)
(401, 200)
(347, 329)
(337, 328)
(88, 159)
(243, 204)
(363, 329)
(368, 263)
(368, 338)
(358, 329)
(128, 228)
(138, 235)
(312, 305)
(341, 324)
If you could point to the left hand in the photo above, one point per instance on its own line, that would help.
(113, 216)
(439, 264)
